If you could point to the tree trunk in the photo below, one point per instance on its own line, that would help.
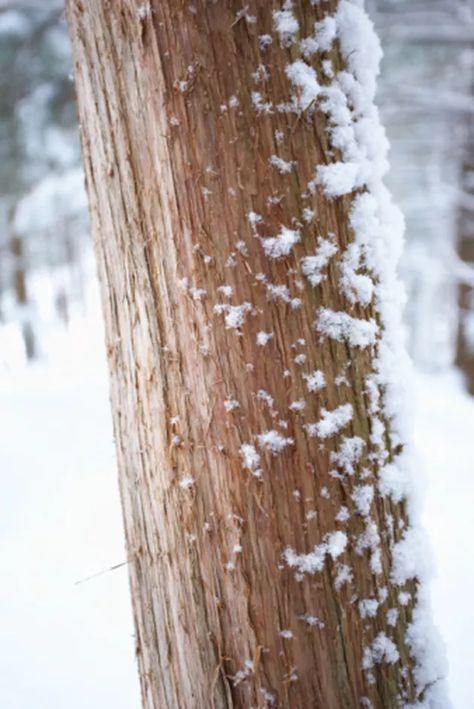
(250, 388)
(465, 340)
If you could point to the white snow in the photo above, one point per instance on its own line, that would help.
(392, 616)
(282, 244)
(382, 650)
(396, 478)
(284, 167)
(325, 33)
(231, 404)
(263, 395)
(308, 215)
(144, 10)
(334, 544)
(411, 557)
(304, 78)
(368, 607)
(286, 24)
(343, 514)
(363, 496)
(311, 620)
(348, 454)
(227, 291)
(265, 40)
(344, 575)
(298, 405)
(263, 338)
(444, 425)
(315, 381)
(312, 266)
(254, 219)
(235, 315)
(259, 104)
(337, 179)
(274, 442)
(370, 540)
(187, 482)
(251, 457)
(63, 645)
(331, 422)
(343, 327)
(357, 287)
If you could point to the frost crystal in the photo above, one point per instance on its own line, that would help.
(308, 215)
(234, 314)
(286, 25)
(263, 395)
(368, 607)
(311, 620)
(343, 327)
(382, 650)
(250, 456)
(315, 381)
(281, 245)
(144, 10)
(336, 179)
(363, 496)
(395, 479)
(231, 404)
(348, 454)
(392, 617)
(283, 166)
(343, 514)
(331, 422)
(312, 266)
(343, 575)
(370, 539)
(226, 291)
(411, 557)
(304, 78)
(254, 219)
(187, 483)
(325, 33)
(334, 545)
(263, 338)
(298, 405)
(264, 41)
(274, 442)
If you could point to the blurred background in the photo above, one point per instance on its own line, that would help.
(64, 644)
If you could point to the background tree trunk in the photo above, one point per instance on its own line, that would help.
(211, 341)
(465, 340)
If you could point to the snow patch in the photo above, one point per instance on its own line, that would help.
(281, 245)
(343, 327)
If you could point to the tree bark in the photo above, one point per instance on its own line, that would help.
(211, 340)
(465, 339)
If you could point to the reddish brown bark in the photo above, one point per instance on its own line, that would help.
(172, 172)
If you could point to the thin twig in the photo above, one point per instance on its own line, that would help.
(100, 573)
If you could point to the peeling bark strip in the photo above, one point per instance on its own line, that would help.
(246, 251)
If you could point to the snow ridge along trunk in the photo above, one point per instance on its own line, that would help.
(246, 248)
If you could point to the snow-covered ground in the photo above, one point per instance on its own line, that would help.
(444, 428)
(69, 646)
(63, 645)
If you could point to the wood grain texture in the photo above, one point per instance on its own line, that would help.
(172, 172)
